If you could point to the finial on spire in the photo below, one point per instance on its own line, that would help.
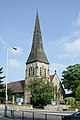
(36, 10)
(55, 71)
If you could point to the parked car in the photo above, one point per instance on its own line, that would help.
(74, 116)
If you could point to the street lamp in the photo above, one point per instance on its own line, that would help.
(7, 79)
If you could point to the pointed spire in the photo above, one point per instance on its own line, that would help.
(37, 25)
(37, 51)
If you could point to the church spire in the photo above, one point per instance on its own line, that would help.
(37, 51)
(37, 24)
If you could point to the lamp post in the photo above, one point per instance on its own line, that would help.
(7, 79)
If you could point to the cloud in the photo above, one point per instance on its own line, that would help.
(77, 21)
(58, 67)
(71, 51)
(16, 63)
(77, 33)
(70, 45)
(73, 47)
(3, 42)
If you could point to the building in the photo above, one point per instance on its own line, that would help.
(59, 92)
(37, 65)
(17, 89)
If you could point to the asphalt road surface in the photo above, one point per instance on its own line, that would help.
(19, 115)
(34, 115)
(3, 118)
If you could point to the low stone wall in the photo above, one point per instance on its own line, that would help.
(15, 107)
(56, 107)
(29, 107)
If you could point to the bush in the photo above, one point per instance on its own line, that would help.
(2, 99)
(71, 101)
(62, 102)
(78, 104)
(77, 93)
(41, 92)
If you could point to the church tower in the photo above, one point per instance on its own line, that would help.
(37, 64)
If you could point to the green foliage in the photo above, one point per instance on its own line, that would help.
(71, 77)
(62, 102)
(77, 93)
(78, 104)
(17, 96)
(10, 92)
(41, 91)
(71, 101)
(2, 99)
(1, 76)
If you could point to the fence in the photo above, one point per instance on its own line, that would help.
(31, 115)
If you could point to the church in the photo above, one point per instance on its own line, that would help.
(37, 66)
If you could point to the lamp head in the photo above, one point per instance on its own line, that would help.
(14, 48)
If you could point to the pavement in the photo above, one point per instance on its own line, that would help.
(28, 111)
(4, 118)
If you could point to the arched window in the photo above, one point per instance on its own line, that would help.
(45, 72)
(40, 72)
(26, 72)
(48, 72)
(29, 71)
(33, 70)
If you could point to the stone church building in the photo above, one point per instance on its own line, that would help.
(37, 65)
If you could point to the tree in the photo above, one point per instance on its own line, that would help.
(10, 92)
(2, 91)
(71, 77)
(70, 100)
(0, 76)
(77, 93)
(41, 91)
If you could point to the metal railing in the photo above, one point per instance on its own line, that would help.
(31, 115)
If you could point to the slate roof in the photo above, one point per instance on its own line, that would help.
(37, 51)
(17, 86)
(51, 77)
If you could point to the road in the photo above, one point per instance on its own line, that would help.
(35, 115)
(29, 118)
(3, 118)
